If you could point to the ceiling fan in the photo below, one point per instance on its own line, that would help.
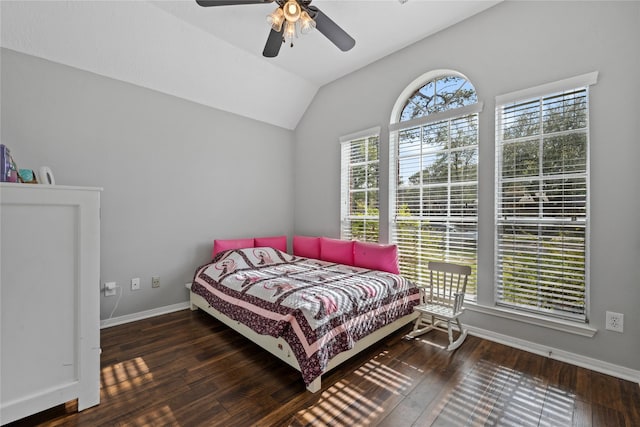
(290, 17)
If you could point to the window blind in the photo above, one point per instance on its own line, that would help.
(542, 184)
(434, 193)
(360, 215)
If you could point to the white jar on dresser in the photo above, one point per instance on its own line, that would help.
(49, 297)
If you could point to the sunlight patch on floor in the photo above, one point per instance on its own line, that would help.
(349, 401)
(162, 416)
(428, 342)
(124, 376)
(492, 394)
(343, 400)
(382, 375)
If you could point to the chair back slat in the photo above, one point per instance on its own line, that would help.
(447, 281)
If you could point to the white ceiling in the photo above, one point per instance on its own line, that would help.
(213, 55)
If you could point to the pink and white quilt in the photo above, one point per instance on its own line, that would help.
(320, 308)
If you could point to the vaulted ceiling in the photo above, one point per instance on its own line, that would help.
(213, 55)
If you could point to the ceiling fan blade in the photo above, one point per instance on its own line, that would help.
(331, 30)
(274, 42)
(207, 3)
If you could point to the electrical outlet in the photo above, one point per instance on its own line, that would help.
(135, 284)
(155, 282)
(109, 289)
(615, 321)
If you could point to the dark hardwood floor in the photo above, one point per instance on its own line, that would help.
(187, 369)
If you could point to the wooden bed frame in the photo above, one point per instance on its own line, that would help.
(279, 347)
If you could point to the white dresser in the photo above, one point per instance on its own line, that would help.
(50, 296)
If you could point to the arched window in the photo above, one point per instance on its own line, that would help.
(444, 93)
(434, 174)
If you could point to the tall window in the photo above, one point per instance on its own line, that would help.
(542, 186)
(360, 216)
(434, 175)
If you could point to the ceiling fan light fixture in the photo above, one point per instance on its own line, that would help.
(292, 10)
(289, 31)
(307, 23)
(275, 19)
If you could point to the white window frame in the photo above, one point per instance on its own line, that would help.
(345, 191)
(539, 92)
(394, 130)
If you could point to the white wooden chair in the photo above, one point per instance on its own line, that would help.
(442, 302)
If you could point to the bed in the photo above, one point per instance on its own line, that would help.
(313, 314)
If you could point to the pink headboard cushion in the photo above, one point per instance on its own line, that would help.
(376, 256)
(276, 242)
(224, 245)
(307, 247)
(336, 250)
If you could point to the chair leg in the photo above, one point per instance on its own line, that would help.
(457, 343)
(421, 326)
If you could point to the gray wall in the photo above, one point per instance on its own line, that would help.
(175, 174)
(512, 46)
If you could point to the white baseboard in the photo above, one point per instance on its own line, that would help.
(561, 355)
(107, 323)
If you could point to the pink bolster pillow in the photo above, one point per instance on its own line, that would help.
(224, 245)
(375, 256)
(306, 247)
(275, 242)
(336, 250)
